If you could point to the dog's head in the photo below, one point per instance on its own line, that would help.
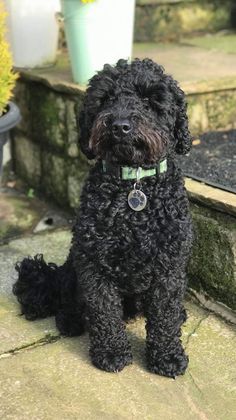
(134, 114)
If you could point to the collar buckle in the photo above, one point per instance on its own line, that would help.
(138, 174)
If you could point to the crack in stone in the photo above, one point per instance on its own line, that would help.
(48, 339)
(195, 384)
(195, 329)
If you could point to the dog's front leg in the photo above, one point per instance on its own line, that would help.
(165, 315)
(109, 347)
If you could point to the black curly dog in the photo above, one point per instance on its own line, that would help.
(124, 262)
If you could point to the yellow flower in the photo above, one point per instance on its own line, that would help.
(87, 1)
(7, 77)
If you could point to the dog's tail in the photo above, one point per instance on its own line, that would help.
(38, 287)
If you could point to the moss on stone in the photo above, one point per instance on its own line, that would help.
(54, 178)
(212, 111)
(47, 116)
(198, 118)
(27, 160)
(157, 20)
(22, 97)
(221, 110)
(213, 264)
(42, 161)
(78, 172)
(72, 109)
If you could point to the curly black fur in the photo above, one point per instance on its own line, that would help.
(37, 287)
(124, 262)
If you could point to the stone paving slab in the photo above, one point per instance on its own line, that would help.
(57, 380)
(17, 333)
(213, 366)
(189, 63)
(18, 215)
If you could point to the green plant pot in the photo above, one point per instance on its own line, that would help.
(97, 33)
(7, 121)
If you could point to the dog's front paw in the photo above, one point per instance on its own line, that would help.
(170, 364)
(111, 361)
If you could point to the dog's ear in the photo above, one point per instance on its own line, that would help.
(161, 90)
(84, 126)
(181, 130)
(98, 91)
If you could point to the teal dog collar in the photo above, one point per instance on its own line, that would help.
(131, 173)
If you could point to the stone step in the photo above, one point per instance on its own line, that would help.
(157, 20)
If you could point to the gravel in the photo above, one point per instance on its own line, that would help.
(213, 159)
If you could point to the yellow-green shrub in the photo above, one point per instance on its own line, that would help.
(7, 76)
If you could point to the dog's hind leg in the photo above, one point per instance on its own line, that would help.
(70, 315)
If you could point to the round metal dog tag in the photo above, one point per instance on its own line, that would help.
(137, 200)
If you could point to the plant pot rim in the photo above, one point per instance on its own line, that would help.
(10, 118)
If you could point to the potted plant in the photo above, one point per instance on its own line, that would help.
(9, 112)
(33, 32)
(97, 32)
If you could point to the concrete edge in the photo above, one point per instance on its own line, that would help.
(210, 196)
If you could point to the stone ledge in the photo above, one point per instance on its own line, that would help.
(59, 78)
(163, 2)
(61, 82)
(217, 308)
(209, 86)
(211, 197)
(211, 103)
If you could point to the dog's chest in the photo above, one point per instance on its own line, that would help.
(128, 242)
(122, 235)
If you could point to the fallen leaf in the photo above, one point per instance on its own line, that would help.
(196, 142)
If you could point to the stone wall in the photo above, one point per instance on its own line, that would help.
(45, 147)
(157, 20)
(212, 268)
(212, 110)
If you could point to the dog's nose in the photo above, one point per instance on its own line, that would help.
(121, 127)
